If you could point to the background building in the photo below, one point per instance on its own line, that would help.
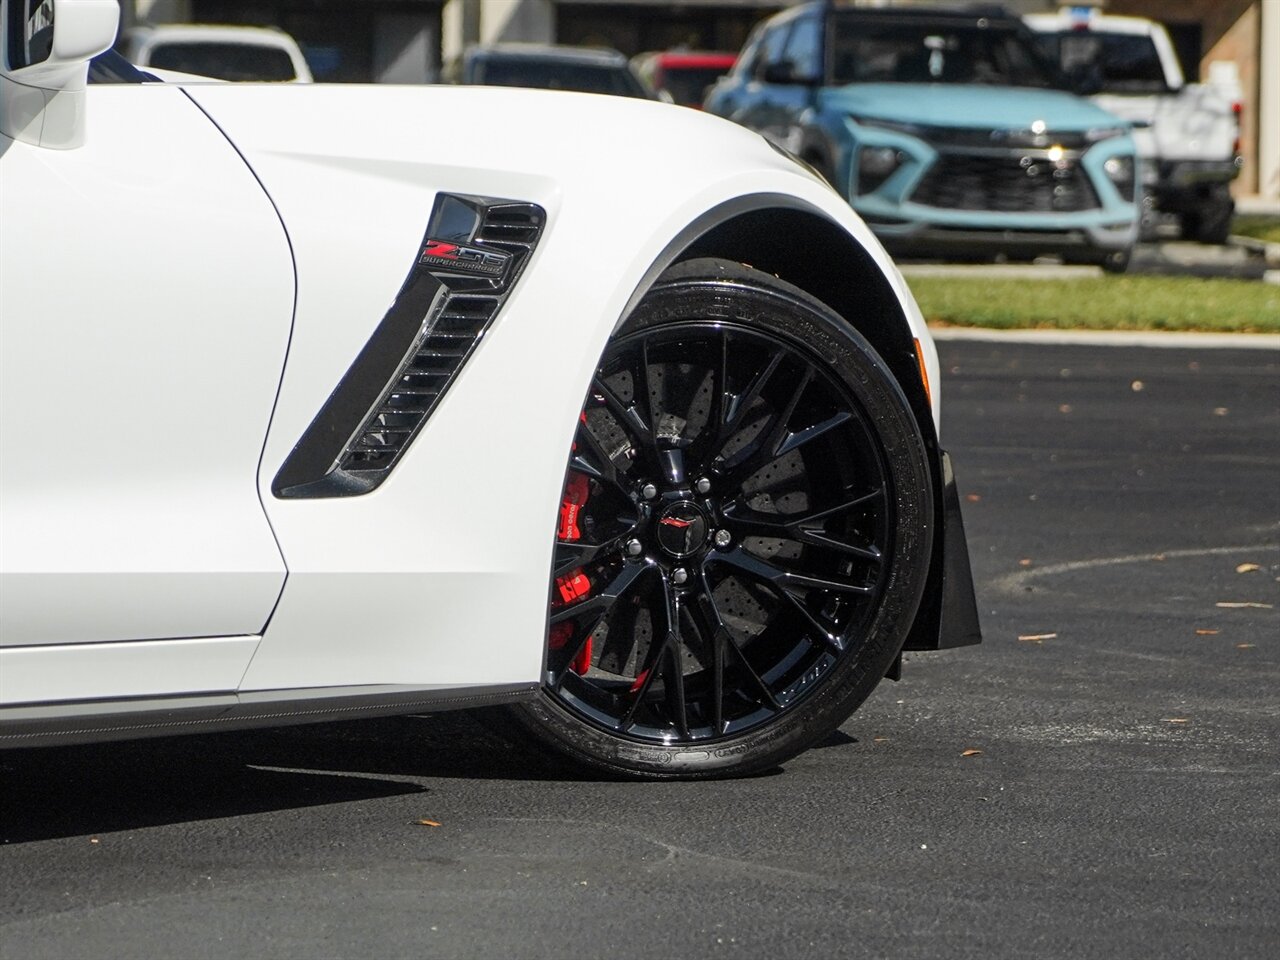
(406, 41)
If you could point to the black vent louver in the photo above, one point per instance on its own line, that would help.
(474, 251)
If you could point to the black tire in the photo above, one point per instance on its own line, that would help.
(1210, 223)
(799, 430)
(1116, 262)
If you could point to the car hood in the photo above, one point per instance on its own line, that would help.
(555, 134)
(955, 105)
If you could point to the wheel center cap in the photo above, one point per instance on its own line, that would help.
(682, 529)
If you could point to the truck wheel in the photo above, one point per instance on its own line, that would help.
(1211, 223)
(1117, 261)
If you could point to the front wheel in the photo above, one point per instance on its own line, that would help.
(1116, 262)
(743, 538)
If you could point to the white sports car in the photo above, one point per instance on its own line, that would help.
(327, 402)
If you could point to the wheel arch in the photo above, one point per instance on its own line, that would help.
(790, 239)
(793, 241)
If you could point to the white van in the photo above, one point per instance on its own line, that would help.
(225, 53)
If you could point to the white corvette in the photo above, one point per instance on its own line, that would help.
(325, 402)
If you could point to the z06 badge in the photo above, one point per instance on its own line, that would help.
(462, 259)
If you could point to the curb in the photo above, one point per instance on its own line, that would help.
(1270, 252)
(1113, 338)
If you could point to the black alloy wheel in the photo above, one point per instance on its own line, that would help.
(743, 536)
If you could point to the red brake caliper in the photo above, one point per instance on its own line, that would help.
(574, 585)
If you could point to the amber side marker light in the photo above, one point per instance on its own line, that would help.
(924, 371)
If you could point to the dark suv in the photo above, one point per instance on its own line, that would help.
(946, 130)
(585, 69)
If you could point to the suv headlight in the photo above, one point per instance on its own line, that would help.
(875, 166)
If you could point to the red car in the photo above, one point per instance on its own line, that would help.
(683, 75)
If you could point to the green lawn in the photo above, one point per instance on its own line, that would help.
(1257, 225)
(1100, 303)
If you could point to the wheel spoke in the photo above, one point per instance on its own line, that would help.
(673, 460)
(710, 438)
(634, 421)
(592, 459)
(799, 438)
(571, 554)
(588, 615)
(665, 659)
(601, 599)
(744, 522)
(843, 506)
(817, 629)
(782, 580)
(713, 635)
(646, 677)
(673, 684)
(739, 404)
(767, 445)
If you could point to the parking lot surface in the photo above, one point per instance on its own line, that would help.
(1100, 778)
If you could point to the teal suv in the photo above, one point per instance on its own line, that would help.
(945, 129)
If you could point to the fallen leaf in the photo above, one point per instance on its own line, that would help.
(1208, 633)
(1244, 646)
(879, 739)
(1024, 562)
(1242, 604)
(1065, 408)
(1159, 556)
(1247, 568)
(1036, 637)
(973, 497)
(425, 823)
(1137, 386)
(94, 840)
(1220, 411)
(971, 753)
(1174, 720)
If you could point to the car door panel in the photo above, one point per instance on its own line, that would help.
(157, 369)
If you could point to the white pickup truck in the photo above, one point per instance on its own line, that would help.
(1187, 133)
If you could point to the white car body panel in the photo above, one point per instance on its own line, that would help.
(440, 575)
(158, 372)
(257, 235)
(98, 671)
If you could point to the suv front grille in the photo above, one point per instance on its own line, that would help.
(1030, 183)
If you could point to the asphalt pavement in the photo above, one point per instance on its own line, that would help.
(1101, 778)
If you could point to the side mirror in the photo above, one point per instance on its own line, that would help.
(784, 71)
(45, 49)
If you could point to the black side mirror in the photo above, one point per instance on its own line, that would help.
(784, 71)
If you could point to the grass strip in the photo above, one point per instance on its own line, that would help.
(1257, 225)
(1100, 303)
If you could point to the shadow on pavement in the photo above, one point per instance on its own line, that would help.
(83, 790)
(101, 788)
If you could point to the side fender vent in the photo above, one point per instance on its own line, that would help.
(472, 255)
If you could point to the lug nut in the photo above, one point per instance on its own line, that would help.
(722, 538)
(679, 575)
(703, 485)
(634, 548)
(648, 491)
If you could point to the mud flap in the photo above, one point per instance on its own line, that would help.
(948, 615)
